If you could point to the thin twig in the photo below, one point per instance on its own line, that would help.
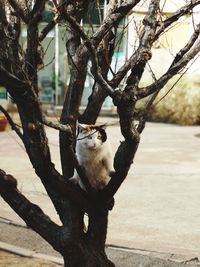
(112, 18)
(144, 113)
(188, 46)
(175, 16)
(47, 29)
(12, 124)
(56, 125)
(176, 82)
(172, 71)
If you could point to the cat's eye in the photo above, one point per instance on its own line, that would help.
(89, 137)
(99, 137)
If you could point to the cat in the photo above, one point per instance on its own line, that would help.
(94, 154)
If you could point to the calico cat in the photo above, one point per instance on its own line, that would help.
(94, 154)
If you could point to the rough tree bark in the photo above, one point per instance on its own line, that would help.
(18, 73)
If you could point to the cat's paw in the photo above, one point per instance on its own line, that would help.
(74, 180)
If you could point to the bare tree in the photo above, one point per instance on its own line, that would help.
(18, 73)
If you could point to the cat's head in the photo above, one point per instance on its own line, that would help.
(91, 136)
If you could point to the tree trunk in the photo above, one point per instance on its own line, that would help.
(91, 258)
(90, 251)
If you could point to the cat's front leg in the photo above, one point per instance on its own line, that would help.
(75, 179)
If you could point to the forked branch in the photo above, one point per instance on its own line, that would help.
(172, 71)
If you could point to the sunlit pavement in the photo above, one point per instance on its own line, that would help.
(158, 206)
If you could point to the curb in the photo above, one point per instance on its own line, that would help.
(23, 251)
(29, 253)
(184, 259)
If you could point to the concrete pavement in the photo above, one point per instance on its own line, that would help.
(27, 243)
(157, 208)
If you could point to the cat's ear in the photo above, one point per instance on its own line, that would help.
(101, 129)
(103, 126)
(82, 127)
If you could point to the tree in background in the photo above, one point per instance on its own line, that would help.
(18, 74)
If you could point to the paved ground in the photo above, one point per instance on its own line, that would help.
(157, 208)
(27, 243)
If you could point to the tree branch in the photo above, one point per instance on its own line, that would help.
(126, 150)
(19, 11)
(37, 8)
(29, 212)
(52, 23)
(179, 13)
(36, 13)
(121, 73)
(188, 46)
(138, 60)
(8, 79)
(92, 50)
(57, 126)
(143, 53)
(47, 29)
(172, 71)
(59, 237)
(144, 113)
(113, 17)
(65, 189)
(12, 124)
(125, 102)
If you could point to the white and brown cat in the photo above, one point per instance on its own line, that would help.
(94, 154)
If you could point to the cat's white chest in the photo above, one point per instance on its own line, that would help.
(97, 164)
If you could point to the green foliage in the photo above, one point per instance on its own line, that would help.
(181, 105)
